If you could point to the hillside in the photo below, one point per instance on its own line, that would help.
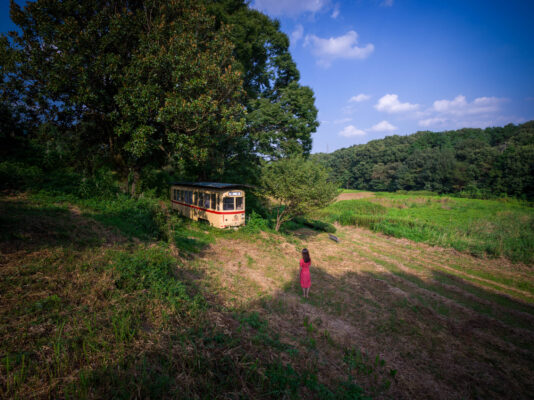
(92, 308)
(492, 161)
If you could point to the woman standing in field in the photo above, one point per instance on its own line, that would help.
(305, 279)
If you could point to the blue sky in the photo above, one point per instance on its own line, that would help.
(384, 67)
(380, 68)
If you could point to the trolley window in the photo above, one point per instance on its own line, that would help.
(200, 199)
(228, 203)
(238, 203)
(206, 200)
(213, 201)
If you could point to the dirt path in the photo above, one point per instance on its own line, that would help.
(424, 310)
(355, 196)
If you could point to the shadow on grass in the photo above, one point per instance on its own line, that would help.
(32, 226)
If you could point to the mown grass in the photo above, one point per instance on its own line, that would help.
(482, 227)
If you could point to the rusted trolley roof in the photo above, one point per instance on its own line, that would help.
(212, 185)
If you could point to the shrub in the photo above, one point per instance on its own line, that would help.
(256, 223)
(16, 175)
(316, 224)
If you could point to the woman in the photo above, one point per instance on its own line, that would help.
(305, 279)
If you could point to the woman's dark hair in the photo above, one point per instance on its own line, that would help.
(306, 255)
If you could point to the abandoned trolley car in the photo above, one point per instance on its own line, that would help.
(220, 204)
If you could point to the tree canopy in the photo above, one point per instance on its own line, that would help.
(205, 89)
(298, 185)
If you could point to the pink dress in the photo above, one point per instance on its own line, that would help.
(305, 279)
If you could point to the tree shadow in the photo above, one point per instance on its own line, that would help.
(29, 226)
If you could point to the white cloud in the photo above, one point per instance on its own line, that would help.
(460, 106)
(359, 98)
(296, 35)
(458, 112)
(390, 103)
(350, 131)
(387, 3)
(383, 126)
(344, 47)
(289, 7)
(335, 12)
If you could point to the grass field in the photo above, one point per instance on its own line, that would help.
(495, 228)
(121, 298)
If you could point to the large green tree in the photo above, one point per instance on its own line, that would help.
(181, 98)
(281, 112)
(299, 186)
(136, 82)
(207, 87)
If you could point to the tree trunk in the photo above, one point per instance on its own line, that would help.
(279, 220)
(135, 182)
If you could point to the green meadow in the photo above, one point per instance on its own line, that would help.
(500, 227)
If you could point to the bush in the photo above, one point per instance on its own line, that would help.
(316, 224)
(16, 175)
(101, 184)
(256, 223)
(156, 181)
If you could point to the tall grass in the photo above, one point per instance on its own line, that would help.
(483, 227)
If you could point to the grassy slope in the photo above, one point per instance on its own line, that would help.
(93, 306)
(492, 227)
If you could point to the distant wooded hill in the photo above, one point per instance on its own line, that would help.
(480, 162)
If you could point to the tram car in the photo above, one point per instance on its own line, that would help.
(222, 205)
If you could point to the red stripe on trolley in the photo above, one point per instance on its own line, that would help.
(210, 211)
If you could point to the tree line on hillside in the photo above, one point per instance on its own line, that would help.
(150, 90)
(478, 162)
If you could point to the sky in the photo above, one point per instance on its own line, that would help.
(395, 67)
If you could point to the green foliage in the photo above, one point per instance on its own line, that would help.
(281, 112)
(151, 271)
(315, 224)
(256, 223)
(299, 185)
(20, 176)
(201, 90)
(180, 98)
(473, 162)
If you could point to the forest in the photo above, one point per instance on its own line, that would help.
(478, 163)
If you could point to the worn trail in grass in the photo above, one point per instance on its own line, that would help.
(452, 325)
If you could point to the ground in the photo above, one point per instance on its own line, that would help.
(426, 311)
(354, 195)
(408, 320)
